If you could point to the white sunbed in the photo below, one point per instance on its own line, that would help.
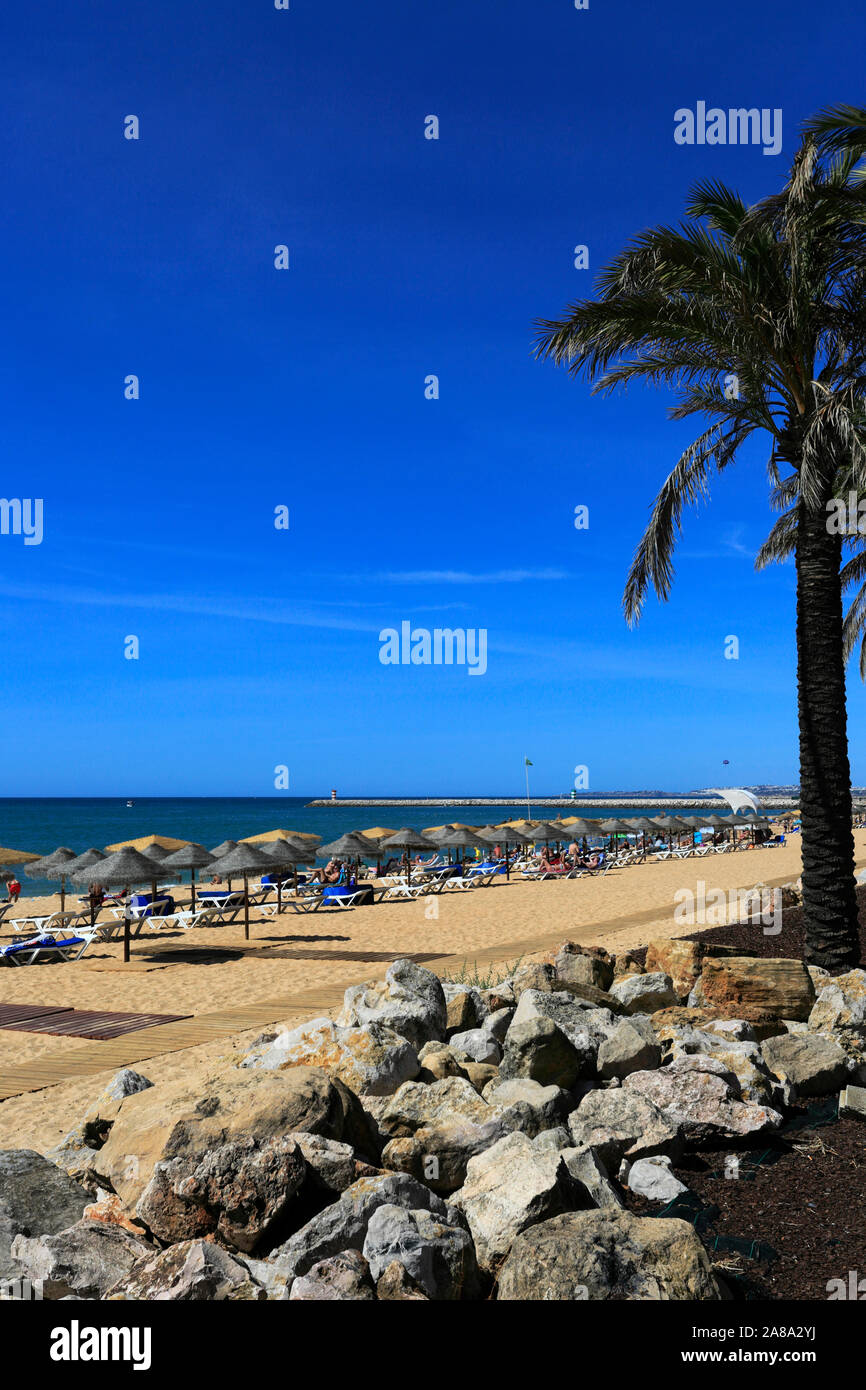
(49, 922)
(45, 947)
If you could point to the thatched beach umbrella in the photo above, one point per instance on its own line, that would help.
(80, 865)
(407, 839)
(243, 859)
(352, 845)
(615, 827)
(642, 824)
(146, 842)
(191, 857)
(287, 854)
(377, 832)
(52, 866)
(123, 866)
(267, 836)
(457, 839)
(505, 835)
(10, 857)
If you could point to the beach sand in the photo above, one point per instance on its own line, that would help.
(455, 933)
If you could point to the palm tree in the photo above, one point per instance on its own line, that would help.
(769, 300)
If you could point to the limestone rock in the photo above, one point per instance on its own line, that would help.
(480, 1045)
(410, 1000)
(852, 1102)
(699, 1097)
(396, 1285)
(748, 987)
(607, 1254)
(36, 1199)
(194, 1271)
(628, 1049)
(86, 1260)
(620, 1124)
(814, 1065)
(581, 965)
(652, 1178)
(340, 1278)
(183, 1118)
(540, 1050)
(840, 1004)
(439, 1259)
(679, 959)
(343, 1225)
(238, 1191)
(371, 1060)
(644, 994)
(512, 1186)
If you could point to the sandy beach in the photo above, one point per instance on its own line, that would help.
(205, 970)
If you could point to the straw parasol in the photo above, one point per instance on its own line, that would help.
(8, 857)
(407, 839)
(285, 853)
(267, 836)
(243, 859)
(643, 824)
(352, 845)
(123, 866)
(52, 866)
(146, 842)
(459, 838)
(506, 835)
(192, 857)
(380, 832)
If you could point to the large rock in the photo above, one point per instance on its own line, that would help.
(814, 1065)
(331, 1166)
(510, 1187)
(343, 1226)
(618, 1124)
(582, 965)
(83, 1261)
(645, 994)
(679, 959)
(478, 1044)
(194, 1271)
(371, 1060)
(607, 1254)
(239, 1191)
(583, 1024)
(629, 1048)
(699, 1096)
(439, 1259)
(740, 1058)
(551, 1104)
(751, 988)
(36, 1198)
(187, 1118)
(74, 1153)
(410, 1000)
(540, 1050)
(465, 1007)
(343, 1278)
(652, 1178)
(436, 1129)
(841, 1003)
(395, 1286)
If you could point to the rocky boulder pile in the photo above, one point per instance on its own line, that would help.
(436, 1141)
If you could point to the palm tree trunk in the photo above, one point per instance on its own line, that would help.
(829, 900)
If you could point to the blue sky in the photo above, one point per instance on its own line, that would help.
(305, 388)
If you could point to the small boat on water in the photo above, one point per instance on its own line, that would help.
(130, 803)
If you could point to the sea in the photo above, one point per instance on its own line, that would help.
(40, 825)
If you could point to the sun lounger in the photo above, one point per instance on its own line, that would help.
(46, 948)
(227, 904)
(54, 921)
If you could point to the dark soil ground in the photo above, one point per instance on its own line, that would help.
(788, 944)
(795, 1216)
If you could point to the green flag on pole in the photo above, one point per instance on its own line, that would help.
(527, 762)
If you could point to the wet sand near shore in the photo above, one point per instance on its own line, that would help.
(200, 971)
